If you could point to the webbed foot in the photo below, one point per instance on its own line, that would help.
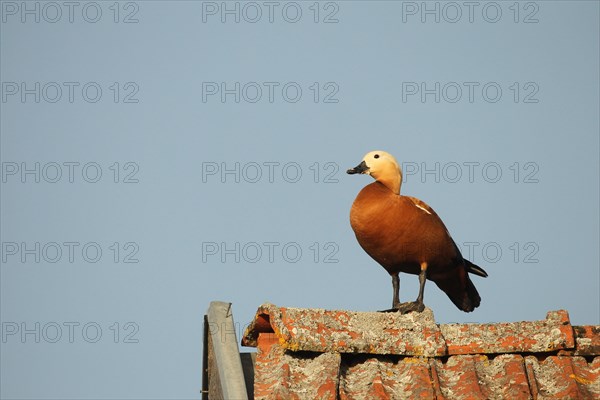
(405, 308)
(411, 306)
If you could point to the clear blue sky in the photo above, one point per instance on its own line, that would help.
(492, 111)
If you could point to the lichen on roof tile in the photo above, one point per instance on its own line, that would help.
(479, 377)
(315, 353)
(353, 332)
(557, 378)
(553, 333)
(381, 377)
(587, 340)
(281, 375)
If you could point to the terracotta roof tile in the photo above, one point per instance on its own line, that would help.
(281, 375)
(478, 377)
(588, 340)
(553, 333)
(377, 378)
(348, 331)
(308, 353)
(559, 377)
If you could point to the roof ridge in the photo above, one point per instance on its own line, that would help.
(417, 334)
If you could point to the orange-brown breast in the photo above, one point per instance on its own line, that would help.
(400, 236)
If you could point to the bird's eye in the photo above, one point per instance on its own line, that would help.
(376, 156)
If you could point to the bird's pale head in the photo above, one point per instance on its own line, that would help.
(383, 167)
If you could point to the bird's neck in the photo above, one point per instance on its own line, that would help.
(392, 182)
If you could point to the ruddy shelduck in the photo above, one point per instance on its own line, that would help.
(404, 234)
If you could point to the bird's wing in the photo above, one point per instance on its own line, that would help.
(436, 220)
(422, 205)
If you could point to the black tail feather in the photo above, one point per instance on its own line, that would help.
(466, 300)
(473, 295)
(475, 269)
(461, 291)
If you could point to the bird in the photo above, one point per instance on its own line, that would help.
(404, 234)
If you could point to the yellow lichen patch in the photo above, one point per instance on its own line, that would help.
(279, 336)
(418, 351)
(293, 346)
(581, 380)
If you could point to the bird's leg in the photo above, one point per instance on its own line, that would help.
(422, 278)
(418, 304)
(396, 289)
(396, 296)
